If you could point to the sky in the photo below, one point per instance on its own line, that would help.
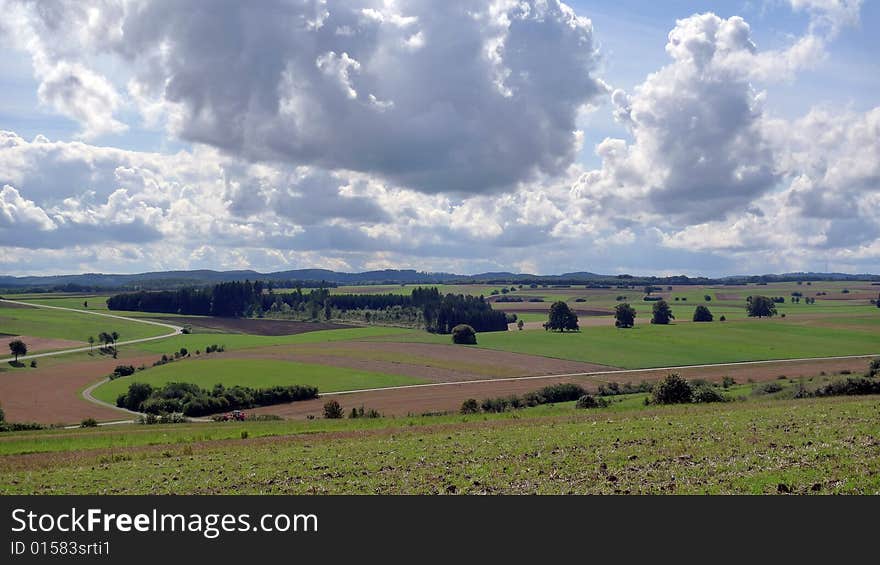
(676, 137)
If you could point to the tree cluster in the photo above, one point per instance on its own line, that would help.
(192, 400)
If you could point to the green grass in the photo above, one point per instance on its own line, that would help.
(684, 344)
(255, 373)
(243, 341)
(817, 445)
(61, 324)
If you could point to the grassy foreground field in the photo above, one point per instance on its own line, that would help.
(254, 373)
(767, 446)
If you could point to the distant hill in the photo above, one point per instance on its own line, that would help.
(307, 277)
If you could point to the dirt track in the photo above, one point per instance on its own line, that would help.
(449, 398)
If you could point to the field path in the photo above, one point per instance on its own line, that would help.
(603, 373)
(176, 330)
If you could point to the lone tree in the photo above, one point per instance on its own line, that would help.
(91, 342)
(562, 318)
(463, 334)
(115, 337)
(18, 348)
(624, 316)
(702, 314)
(761, 307)
(662, 313)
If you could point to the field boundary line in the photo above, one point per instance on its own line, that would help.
(603, 373)
(177, 330)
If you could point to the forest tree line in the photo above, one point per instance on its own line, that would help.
(438, 313)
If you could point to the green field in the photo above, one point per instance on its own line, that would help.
(62, 324)
(689, 344)
(254, 373)
(242, 341)
(809, 446)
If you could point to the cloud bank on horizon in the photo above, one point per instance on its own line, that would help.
(438, 136)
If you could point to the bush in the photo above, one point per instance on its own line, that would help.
(495, 405)
(722, 319)
(874, 368)
(563, 392)
(850, 387)
(588, 401)
(89, 423)
(33, 363)
(470, 406)
(674, 389)
(706, 393)
(332, 410)
(768, 388)
(464, 334)
(122, 371)
(728, 382)
(2, 416)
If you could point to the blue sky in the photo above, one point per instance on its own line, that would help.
(374, 134)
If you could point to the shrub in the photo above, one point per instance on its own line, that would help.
(464, 334)
(470, 406)
(496, 405)
(122, 371)
(722, 319)
(706, 393)
(89, 423)
(332, 410)
(874, 368)
(2, 416)
(33, 363)
(850, 387)
(183, 352)
(674, 389)
(728, 382)
(244, 434)
(768, 388)
(562, 392)
(588, 401)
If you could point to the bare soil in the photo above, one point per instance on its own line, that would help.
(37, 344)
(432, 362)
(51, 394)
(252, 326)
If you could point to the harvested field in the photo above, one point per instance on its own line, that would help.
(434, 362)
(729, 296)
(37, 344)
(51, 395)
(251, 326)
(444, 398)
